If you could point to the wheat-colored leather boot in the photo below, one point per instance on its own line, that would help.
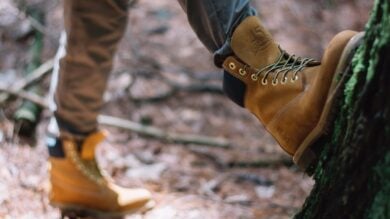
(290, 95)
(78, 186)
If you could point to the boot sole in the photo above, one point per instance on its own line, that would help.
(305, 156)
(69, 211)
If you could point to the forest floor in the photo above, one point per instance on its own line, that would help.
(188, 181)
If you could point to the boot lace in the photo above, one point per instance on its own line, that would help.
(284, 65)
(89, 168)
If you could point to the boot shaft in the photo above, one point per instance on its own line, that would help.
(252, 43)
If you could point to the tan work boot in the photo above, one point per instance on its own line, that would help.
(78, 186)
(291, 96)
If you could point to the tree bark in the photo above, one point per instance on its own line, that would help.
(353, 173)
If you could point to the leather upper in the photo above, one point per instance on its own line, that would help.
(288, 110)
(77, 181)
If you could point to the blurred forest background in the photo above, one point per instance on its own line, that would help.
(163, 77)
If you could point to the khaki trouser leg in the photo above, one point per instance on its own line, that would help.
(94, 29)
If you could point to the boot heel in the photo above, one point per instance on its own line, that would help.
(307, 159)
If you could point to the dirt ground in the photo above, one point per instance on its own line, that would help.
(188, 181)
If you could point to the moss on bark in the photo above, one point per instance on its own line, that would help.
(353, 173)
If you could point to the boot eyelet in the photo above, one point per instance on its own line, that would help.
(254, 77)
(232, 66)
(295, 78)
(284, 80)
(242, 72)
(264, 81)
(275, 82)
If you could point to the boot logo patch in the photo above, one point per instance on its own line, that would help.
(260, 40)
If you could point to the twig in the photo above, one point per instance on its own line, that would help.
(133, 126)
(35, 75)
(265, 161)
(31, 78)
(209, 155)
(159, 133)
(258, 180)
(36, 23)
(26, 95)
(38, 26)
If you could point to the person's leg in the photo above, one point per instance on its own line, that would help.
(214, 22)
(291, 96)
(93, 29)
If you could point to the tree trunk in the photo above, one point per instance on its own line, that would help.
(353, 173)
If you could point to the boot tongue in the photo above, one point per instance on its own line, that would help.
(253, 44)
(90, 143)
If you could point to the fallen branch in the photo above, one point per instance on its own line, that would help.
(260, 162)
(35, 75)
(211, 156)
(133, 126)
(29, 12)
(161, 134)
(26, 95)
(31, 78)
(265, 161)
(37, 25)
